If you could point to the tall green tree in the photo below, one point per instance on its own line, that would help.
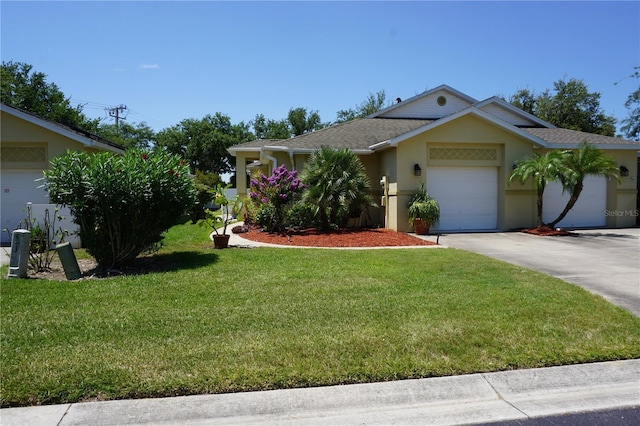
(587, 160)
(266, 128)
(543, 168)
(138, 135)
(203, 143)
(631, 124)
(28, 90)
(570, 105)
(374, 102)
(338, 186)
(302, 121)
(526, 100)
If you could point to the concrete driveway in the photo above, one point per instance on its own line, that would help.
(603, 261)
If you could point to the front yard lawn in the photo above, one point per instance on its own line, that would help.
(251, 319)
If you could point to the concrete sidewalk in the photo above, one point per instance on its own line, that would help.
(475, 398)
(5, 253)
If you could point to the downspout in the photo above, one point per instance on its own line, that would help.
(293, 164)
(273, 160)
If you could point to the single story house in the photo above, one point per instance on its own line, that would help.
(464, 151)
(27, 144)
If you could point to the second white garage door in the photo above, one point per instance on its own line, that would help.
(588, 211)
(468, 197)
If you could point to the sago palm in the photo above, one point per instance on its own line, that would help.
(337, 185)
(585, 161)
(543, 168)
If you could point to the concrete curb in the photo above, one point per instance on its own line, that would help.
(475, 398)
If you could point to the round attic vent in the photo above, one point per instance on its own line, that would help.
(442, 101)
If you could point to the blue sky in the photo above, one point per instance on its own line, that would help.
(168, 61)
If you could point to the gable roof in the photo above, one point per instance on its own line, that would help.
(426, 111)
(425, 105)
(471, 110)
(82, 136)
(511, 113)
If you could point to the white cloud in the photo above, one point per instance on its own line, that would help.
(149, 66)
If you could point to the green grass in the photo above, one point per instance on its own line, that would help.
(250, 319)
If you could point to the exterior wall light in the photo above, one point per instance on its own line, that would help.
(417, 170)
(624, 172)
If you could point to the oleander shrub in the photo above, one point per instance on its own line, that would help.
(122, 203)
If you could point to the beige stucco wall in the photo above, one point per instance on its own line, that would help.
(621, 196)
(241, 174)
(408, 153)
(387, 160)
(371, 163)
(18, 133)
(469, 132)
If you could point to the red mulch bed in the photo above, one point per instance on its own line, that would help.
(545, 231)
(351, 237)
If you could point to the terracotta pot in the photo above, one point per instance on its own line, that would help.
(421, 226)
(221, 241)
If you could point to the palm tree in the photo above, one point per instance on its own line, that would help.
(337, 185)
(544, 168)
(586, 160)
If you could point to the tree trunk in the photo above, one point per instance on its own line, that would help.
(572, 201)
(325, 225)
(539, 202)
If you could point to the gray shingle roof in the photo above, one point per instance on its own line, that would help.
(355, 135)
(363, 133)
(569, 137)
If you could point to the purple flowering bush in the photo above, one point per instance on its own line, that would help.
(273, 196)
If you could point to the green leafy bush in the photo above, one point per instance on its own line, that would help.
(122, 204)
(301, 215)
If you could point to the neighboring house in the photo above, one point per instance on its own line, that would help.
(27, 144)
(464, 150)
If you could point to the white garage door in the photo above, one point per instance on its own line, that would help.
(468, 197)
(588, 211)
(18, 187)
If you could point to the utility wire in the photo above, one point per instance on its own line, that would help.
(91, 105)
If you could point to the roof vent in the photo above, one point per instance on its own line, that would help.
(442, 101)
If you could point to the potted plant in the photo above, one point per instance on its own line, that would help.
(221, 218)
(423, 211)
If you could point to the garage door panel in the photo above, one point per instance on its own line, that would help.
(468, 197)
(17, 189)
(588, 211)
